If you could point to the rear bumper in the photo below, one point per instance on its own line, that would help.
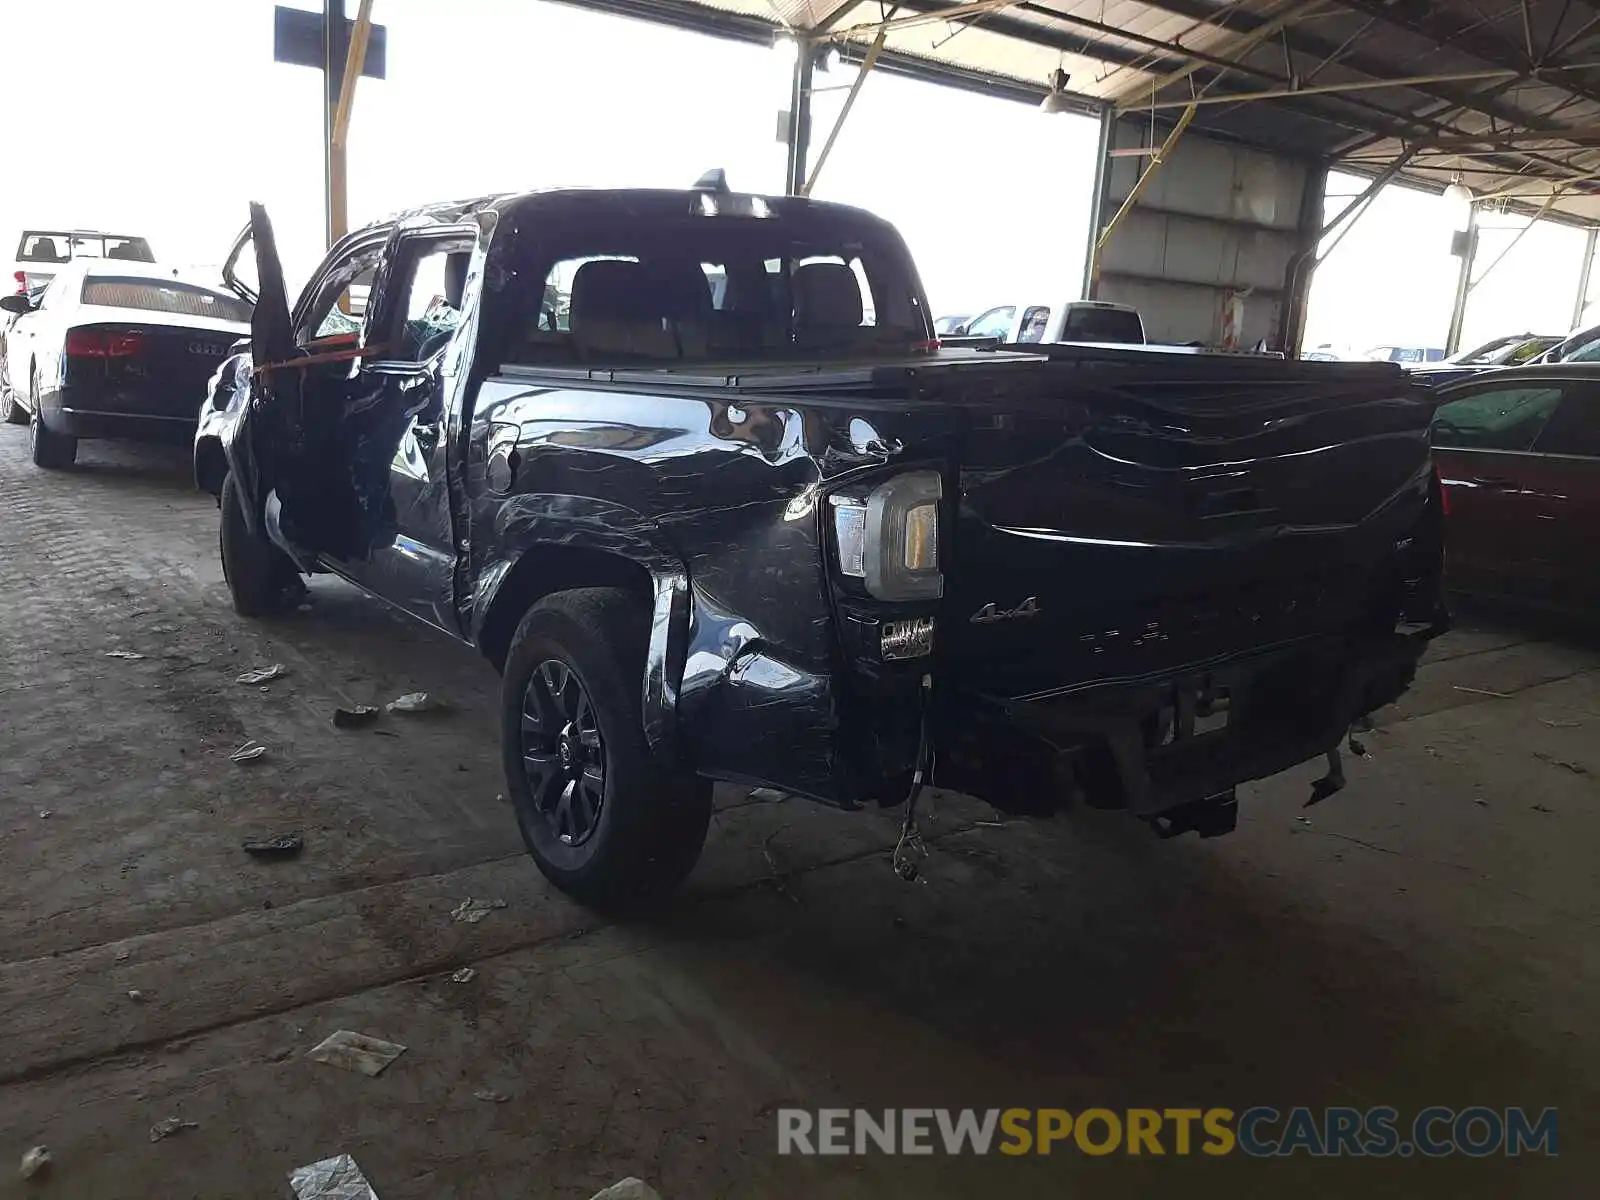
(124, 426)
(1133, 744)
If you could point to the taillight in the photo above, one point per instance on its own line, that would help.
(22, 282)
(97, 343)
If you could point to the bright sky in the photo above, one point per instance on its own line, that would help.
(163, 117)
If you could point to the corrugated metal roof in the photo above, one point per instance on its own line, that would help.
(1527, 125)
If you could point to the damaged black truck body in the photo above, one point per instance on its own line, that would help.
(687, 467)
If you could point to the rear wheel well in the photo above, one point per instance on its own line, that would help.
(544, 570)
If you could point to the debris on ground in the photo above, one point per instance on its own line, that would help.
(248, 752)
(1303, 820)
(356, 717)
(631, 1188)
(1540, 808)
(1481, 692)
(168, 1126)
(261, 674)
(1560, 724)
(46, 813)
(417, 702)
(472, 911)
(768, 795)
(1480, 802)
(34, 1161)
(124, 953)
(492, 1096)
(1564, 764)
(136, 995)
(284, 845)
(127, 654)
(356, 1052)
(336, 1178)
(464, 975)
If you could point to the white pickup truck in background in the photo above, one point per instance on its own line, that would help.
(41, 252)
(1071, 321)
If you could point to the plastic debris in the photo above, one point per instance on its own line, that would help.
(1480, 802)
(336, 1178)
(127, 654)
(492, 1096)
(472, 911)
(136, 995)
(124, 953)
(248, 752)
(356, 1052)
(464, 975)
(285, 845)
(168, 1126)
(34, 1161)
(631, 1188)
(355, 718)
(261, 674)
(1560, 724)
(766, 795)
(1482, 692)
(46, 813)
(416, 702)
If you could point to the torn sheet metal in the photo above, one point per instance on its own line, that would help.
(169, 1126)
(356, 1052)
(336, 1178)
(417, 702)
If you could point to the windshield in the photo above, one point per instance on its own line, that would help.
(1486, 354)
(1574, 345)
(660, 288)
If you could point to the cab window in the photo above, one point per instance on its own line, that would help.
(428, 290)
(994, 323)
(336, 313)
(1500, 419)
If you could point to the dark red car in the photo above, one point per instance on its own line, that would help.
(1519, 454)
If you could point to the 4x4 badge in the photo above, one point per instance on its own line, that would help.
(989, 613)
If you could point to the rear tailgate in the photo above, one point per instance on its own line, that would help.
(1165, 516)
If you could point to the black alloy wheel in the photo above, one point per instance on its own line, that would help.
(563, 754)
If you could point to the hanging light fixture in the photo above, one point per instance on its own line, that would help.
(1458, 192)
(1058, 99)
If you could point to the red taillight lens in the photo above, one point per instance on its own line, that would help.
(22, 282)
(96, 343)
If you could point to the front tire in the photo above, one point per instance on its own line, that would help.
(262, 580)
(597, 813)
(52, 451)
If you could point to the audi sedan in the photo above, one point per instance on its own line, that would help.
(113, 349)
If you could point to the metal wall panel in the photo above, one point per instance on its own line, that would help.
(1205, 251)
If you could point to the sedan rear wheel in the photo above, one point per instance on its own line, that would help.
(52, 451)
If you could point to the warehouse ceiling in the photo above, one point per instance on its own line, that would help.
(1504, 94)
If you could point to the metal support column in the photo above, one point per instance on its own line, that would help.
(1297, 292)
(1458, 311)
(335, 48)
(1583, 277)
(1100, 198)
(800, 118)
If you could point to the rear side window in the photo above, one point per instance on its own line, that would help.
(1115, 325)
(1574, 428)
(1034, 322)
(44, 248)
(177, 299)
(1503, 419)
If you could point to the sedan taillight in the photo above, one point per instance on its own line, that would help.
(97, 343)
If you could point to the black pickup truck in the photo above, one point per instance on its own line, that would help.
(690, 469)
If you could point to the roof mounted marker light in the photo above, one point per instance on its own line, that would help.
(714, 180)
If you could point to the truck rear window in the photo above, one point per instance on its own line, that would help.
(50, 247)
(717, 289)
(178, 299)
(1114, 325)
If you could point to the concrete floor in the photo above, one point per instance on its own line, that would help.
(1427, 937)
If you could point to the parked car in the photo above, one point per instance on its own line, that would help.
(42, 252)
(1519, 454)
(762, 540)
(951, 325)
(1096, 321)
(1581, 345)
(1406, 354)
(113, 349)
(1512, 351)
